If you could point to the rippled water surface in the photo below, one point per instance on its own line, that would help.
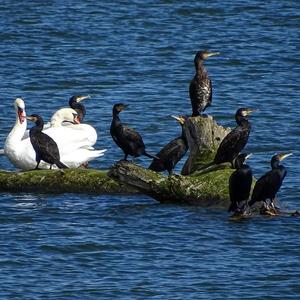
(141, 53)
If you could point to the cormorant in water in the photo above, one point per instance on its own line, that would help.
(236, 140)
(44, 146)
(201, 86)
(126, 138)
(171, 153)
(240, 183)
(74, 103)
(267, 186)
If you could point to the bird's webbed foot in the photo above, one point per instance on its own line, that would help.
(174, 175)
(241, 212)
(84, 165)
(245, 209)
(269, 209)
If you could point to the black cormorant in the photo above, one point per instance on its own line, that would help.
(269, 184)
(44, 146)
(126, 138)
(235, 140)
(74, 103)
(240, 183)
(201, 86)
(171, 153)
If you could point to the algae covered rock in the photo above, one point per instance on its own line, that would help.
(204, 136)
(61, 181)
(209, 189)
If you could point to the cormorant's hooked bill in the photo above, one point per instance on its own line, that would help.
(205, 54)
(78, 98)
(282, 156)
(32, 118)
(180, 119)
(244, 112)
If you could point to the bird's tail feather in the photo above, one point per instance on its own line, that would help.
(151, 155)
(61, 165)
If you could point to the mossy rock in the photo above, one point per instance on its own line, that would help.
(61, 181)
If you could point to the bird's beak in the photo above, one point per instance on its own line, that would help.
(180, 119)
(283, 156)
(209, 54)
(249, 111)
(80, 98)
(125, 106)
(21, 115)
(248, 156)
(31, 118)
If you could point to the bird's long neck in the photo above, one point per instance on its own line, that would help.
(183, 135)
(242, 121)
(116, 120)
(200, 69)
(18, 130)
(275, 164)
(280, 169)
(39, 125)
(56, 121)
(238, 164)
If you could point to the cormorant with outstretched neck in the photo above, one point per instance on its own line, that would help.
(235, 141)
(44, 146)
(171, 154)
(201, 87)
(267, 186)
(126, 138)
(240, 183)
(74, 103)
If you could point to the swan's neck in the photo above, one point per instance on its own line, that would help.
(55, 121)
(17, 133)
(13, 143)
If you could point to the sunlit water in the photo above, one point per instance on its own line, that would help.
(141, 53)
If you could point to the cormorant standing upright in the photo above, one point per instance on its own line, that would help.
(126, 138)
(267, 186)
(74, 103)
(44, 146)
(235, 140)
(201, 87)
(171, 154)
(240, 183)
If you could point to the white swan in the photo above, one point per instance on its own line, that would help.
(75, 143)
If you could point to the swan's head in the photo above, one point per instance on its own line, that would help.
(20, 109)
(64, 115)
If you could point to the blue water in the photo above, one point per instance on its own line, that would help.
(141, 53)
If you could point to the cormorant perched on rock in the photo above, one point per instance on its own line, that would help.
(267, 186)
(44, 146)
(74, 103)
(240, 183)
(126, 138)
(171, 153)
(235, 140)
(201, 86)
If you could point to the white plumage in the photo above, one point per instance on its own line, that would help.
(75, 141)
